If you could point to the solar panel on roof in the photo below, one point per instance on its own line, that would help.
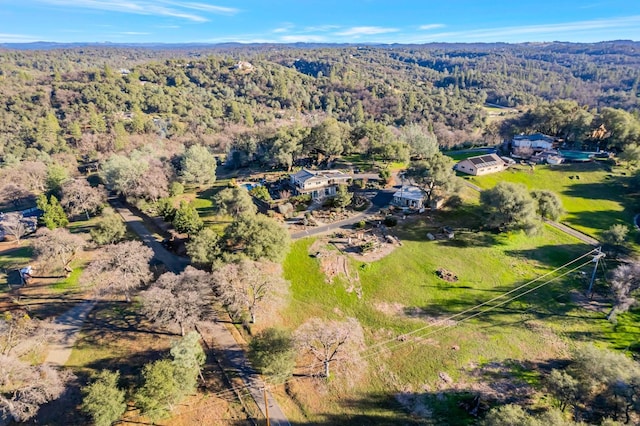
(488, 159)
(476, 161)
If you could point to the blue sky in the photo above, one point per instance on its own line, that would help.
(341, 21)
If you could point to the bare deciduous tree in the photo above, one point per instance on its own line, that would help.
(57, 247)
(181, 299)
(80, 197)
(24, 387)
(13, 224)
(121, 268)
(21, 335)
(332, 342)
(16, 194)
(250, 287)
(33, 174)
(625, 279)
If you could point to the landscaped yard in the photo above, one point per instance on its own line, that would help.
(401, 293)
(593, 196)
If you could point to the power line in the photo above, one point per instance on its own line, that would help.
(446, 324)
(452, 317)
(490, 308)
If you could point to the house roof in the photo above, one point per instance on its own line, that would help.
(305, 175)
(534, 137)
(483, 161)
(409, 193)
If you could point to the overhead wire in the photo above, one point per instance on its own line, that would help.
(445, 324)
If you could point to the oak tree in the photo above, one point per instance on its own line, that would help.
(178, 299)
(332, 342)
(249, 287)
(57, 247)
(120, 268)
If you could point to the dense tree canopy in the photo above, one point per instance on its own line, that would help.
(258, 237)
(509, 206)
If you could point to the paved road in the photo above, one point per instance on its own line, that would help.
(380, 200)
(68, 324)
(223, 339)
(560, 226)
(577, 234)
(136, 224)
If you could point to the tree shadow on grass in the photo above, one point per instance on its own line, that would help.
(603, 220)
(612, 189)
(117, 320)
(552, 300)
(553, 256)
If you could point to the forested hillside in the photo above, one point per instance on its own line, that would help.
(98, 100)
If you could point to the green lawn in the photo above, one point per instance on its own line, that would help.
(593, 196)
(402, 293)
(202, 200)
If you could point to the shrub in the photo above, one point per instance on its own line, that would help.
(187, 220)
(109, 229)
(176, 188)
(272, 353)
(390, 221)
(261, 193)
(361, 224)
(367, 247)
(165, 208)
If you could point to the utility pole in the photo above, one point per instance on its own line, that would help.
(596, 258)
(266, 405)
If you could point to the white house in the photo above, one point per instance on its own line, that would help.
(535, 142)
(481, 165)
(409, 196)
(318, 183)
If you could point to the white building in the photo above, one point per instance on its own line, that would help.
(318, 183)
(409, 196)
(535, 142)
(481, 165)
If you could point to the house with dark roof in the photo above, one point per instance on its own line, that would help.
(318, 183)
(481, 165)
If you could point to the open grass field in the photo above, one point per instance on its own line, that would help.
(593, 196)
(401, 293)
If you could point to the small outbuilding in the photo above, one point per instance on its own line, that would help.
(409, 196)
(481, 165)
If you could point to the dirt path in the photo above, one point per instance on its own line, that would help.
(68, 325)
(222, 338)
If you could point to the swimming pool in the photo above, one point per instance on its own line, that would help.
(577, 155)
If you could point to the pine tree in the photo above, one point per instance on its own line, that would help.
(103, 400)
(53, 215)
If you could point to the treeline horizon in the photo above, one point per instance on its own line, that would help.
(92, 101)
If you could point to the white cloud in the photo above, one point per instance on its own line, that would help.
(17, 38)
(221, 10)
(284, 28)
(303, 38)
(360, 31)
(428, 27)
(568, 30)
(320, 28)
(165, 8)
